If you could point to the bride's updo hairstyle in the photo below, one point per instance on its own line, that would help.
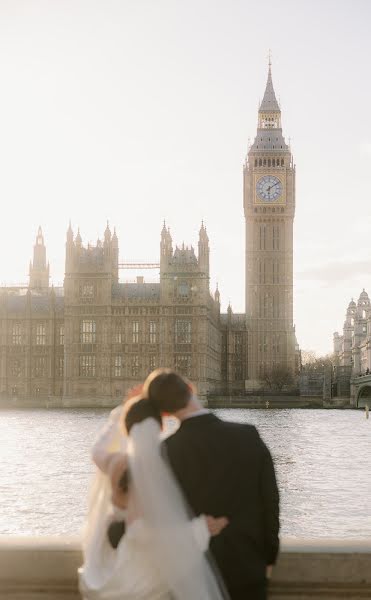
(167, 390)
(137, 410)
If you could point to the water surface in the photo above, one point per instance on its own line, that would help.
(322, 458)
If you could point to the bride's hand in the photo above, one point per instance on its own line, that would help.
(216, 524)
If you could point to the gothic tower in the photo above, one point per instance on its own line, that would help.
(39, 269)
(90, 276)
(269, 206)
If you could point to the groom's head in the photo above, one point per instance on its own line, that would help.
(168, 391)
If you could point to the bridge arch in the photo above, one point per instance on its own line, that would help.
(364, 396)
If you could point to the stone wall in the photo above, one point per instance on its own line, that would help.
(45, 569)
(264, 401)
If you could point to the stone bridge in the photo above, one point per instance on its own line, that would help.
(361, 391)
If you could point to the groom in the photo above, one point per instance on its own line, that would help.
(224, 469)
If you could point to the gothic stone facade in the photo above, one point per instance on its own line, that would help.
(96, 337)
(352, 349)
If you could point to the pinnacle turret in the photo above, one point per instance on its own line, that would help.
(203, 249)
(107, 234)
(203, 233)
(115, 240)
(39, 268)
(40, 237)
(217, 294)
(69, 234)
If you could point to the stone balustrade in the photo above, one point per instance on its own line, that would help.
(44, 568)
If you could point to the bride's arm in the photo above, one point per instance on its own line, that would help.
(107, 442)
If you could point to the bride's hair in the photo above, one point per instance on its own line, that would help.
(138, 410)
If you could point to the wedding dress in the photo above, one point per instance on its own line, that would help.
(162, 553)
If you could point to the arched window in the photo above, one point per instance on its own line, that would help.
(269, 162)
(256, 162)
(273, 162)
(260, 162)
(282, 162)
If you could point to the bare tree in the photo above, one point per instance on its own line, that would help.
(312, 363)
(278, 377)
(308, 357)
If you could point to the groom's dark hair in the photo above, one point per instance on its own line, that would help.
(167, 390)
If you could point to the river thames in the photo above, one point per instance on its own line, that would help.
(322, 459)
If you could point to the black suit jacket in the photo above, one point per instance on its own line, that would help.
(225, 469)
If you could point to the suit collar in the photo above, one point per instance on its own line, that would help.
(197, 420)
(197, 413)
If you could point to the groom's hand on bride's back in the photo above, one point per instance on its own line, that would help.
(216, 524)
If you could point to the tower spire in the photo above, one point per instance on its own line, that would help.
(269, 103)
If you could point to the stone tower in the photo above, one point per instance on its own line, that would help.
(39, 269)
(269, 206)
(91, 272)
(189, 319)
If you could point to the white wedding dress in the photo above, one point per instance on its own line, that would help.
(162, 553)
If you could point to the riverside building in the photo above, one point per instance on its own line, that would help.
(352, 352)
(95, 337)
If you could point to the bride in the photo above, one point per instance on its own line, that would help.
(163, 553)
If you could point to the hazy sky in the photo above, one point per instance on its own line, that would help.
(140, 110)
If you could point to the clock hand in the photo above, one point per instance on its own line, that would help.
(275, 184)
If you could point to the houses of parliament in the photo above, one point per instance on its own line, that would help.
(95, 337)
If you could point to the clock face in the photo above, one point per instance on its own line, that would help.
(269, 188)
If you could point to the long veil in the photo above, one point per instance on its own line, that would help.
(181, 563)
(99, 557)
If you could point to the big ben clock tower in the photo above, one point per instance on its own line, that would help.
(269, 205)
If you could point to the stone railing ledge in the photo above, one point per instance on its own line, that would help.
(325, 545)
(45, 568)
(42, 542)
